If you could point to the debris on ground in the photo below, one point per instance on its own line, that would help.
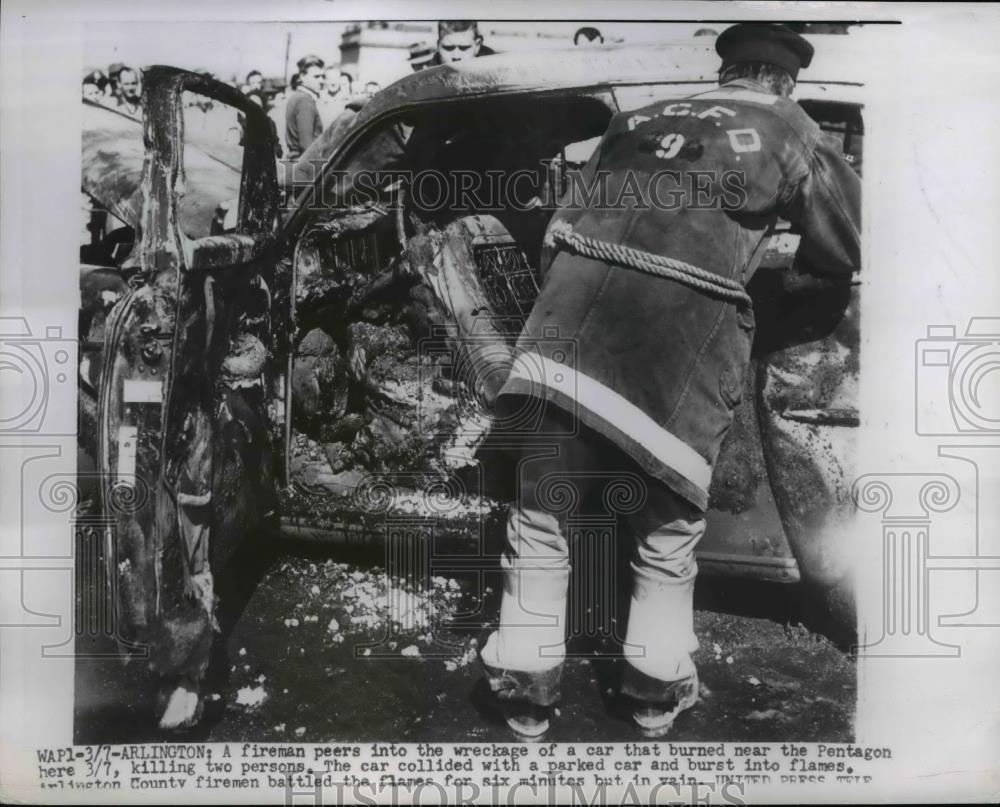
(766, 714)
(251, 697)
(780, 682)
(469, 655)
(372, 602)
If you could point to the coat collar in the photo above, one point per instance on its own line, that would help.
(747, 84)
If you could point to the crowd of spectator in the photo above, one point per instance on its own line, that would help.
(320, 93)
(120, 87)
(317, 93)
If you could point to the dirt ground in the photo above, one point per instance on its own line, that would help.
(310, 659)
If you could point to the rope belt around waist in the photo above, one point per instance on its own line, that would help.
(730, 290)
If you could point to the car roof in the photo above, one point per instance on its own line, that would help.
(835, 63)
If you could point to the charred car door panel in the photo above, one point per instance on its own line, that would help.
(187, 431)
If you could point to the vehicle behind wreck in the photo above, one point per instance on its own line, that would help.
(316, 369)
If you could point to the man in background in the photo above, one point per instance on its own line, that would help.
(130, 100)
(255, 82)
(303, 123)
(112, 91)
(422, 55)
(588, 36)
(93, 86)
(346, 84)
(335, 96)
(459, 40)
(264, 103)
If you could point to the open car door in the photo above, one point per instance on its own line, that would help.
(191, 396)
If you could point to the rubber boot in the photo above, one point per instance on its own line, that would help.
(660, 675)
(523, 659)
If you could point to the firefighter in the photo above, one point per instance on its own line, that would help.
(637, 348)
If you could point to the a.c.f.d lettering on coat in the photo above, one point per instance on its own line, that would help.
(657, 366)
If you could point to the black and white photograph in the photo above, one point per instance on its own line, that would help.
(529, 406)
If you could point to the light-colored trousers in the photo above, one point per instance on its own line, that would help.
(665, 528)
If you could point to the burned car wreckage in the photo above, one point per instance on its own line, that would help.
(250, 370)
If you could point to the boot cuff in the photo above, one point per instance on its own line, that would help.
(645, 688)
(540, 688)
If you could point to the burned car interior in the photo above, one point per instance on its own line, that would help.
(480, 139)
(378, 248)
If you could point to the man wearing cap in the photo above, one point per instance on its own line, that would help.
(421, 55)
(649, 295)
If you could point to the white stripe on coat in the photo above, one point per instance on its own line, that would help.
(619, 412)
